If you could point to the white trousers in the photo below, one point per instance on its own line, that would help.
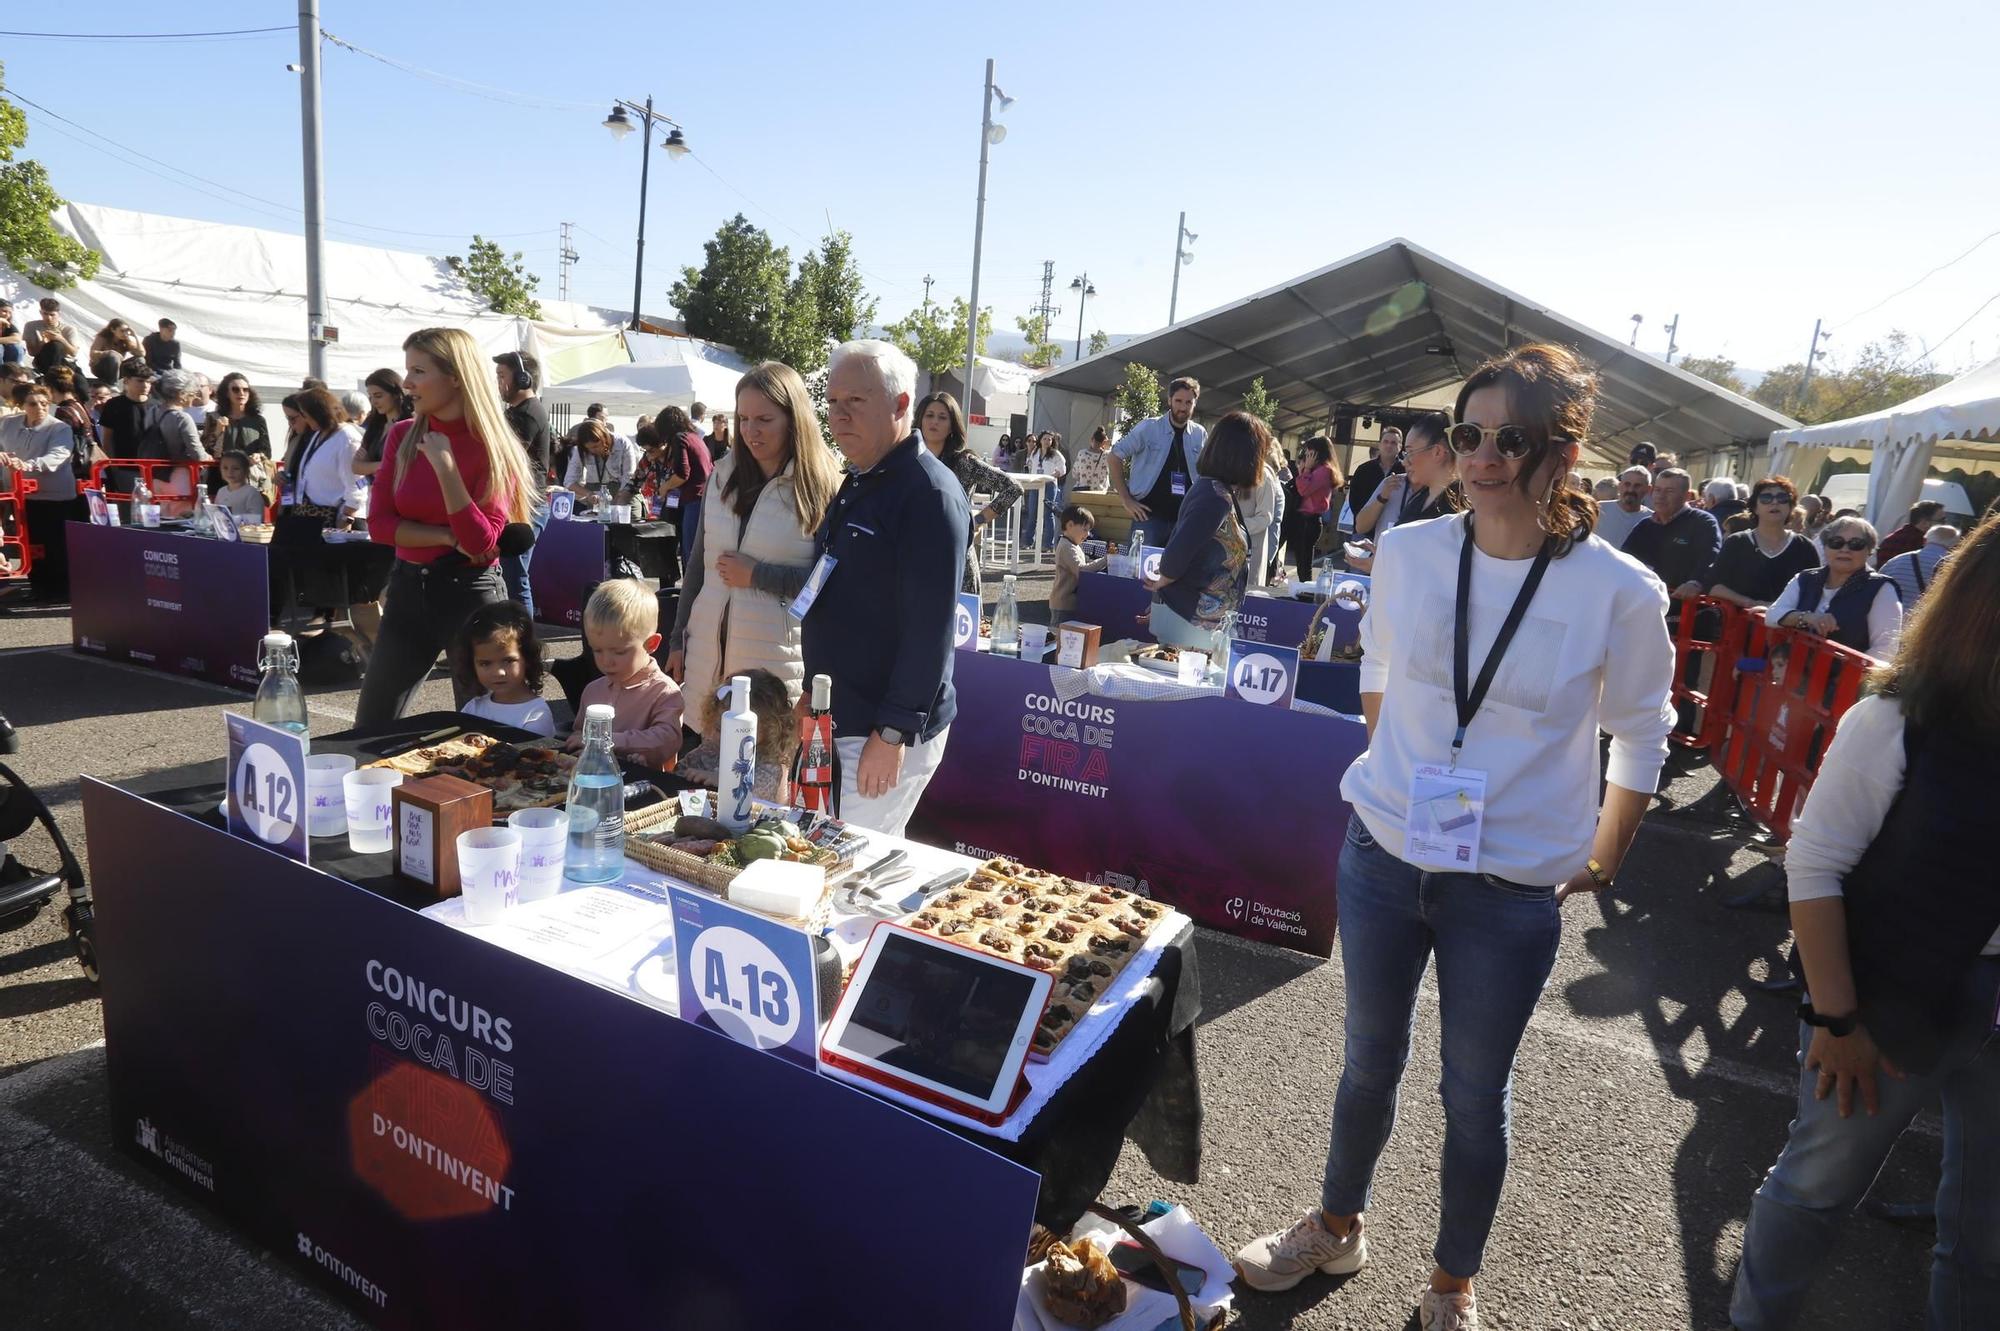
(889, 812)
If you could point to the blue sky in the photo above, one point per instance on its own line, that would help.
(1749, 166)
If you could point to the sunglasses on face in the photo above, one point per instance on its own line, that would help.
(1512, 441)
(1855, 543)
(1774, 497)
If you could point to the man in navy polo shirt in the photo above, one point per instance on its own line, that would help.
(891, 550)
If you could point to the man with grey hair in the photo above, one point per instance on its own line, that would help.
(1719, 497)
(1616, 521)
(880, 604)
(1912, 573)
(1680, 541)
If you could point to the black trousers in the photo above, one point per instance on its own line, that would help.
(421, 613)
(48, 521)
(1301, 535)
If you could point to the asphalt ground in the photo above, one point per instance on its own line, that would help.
(1653, 1089)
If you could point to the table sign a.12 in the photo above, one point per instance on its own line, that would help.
(267, 786)
(1262, 672)
(746, 975)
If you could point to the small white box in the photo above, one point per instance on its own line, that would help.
(779, 887)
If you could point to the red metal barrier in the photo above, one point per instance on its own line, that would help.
(1791, 689)
(17, 556)
(1715, 657)
(174, 493)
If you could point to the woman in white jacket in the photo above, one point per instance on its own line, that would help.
(754, 546)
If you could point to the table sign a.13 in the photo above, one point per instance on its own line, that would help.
(267, 786)
(747, 975)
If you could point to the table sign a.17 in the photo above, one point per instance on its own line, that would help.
(267, 786)
(1262, 672)
(746, 975)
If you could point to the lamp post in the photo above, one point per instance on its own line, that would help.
(1182, 239)
(315, 183)
(676, 146)
(989, 134)
(1084, 291)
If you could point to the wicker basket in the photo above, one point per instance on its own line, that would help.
(687, 868)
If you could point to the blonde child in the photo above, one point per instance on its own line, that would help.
(777, 738)
(496, 662)
(1076, 524)
(237, 494)
(621, 623)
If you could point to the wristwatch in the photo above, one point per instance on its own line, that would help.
(1834, 1026)
(892, 735)
(1597, 874)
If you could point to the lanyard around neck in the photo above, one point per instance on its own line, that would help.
(1468, 700)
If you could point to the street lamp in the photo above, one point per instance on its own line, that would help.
(1637, 319)
(989, 134)
(1084, 291)
(1182, 239)
(675, 146)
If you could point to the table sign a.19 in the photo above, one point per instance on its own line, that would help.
(746, 975)
(1263, 673)
(562, 504)
(267, 786)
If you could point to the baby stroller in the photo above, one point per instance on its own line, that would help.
(24, 890)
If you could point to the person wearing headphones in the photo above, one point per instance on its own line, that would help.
(517, 374)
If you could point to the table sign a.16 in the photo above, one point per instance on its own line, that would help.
(267, 786)
(1262, 672)
(746, 975)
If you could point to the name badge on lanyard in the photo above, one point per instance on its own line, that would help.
(1179, 483)
(814, 582)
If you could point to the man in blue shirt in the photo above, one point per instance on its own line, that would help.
(1153, 465)
(891, 550)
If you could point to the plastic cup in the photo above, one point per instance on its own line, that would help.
(1034, 641)
(544, 841)
(489, 870)
(326, 801)
(368, 808)
(149, 515)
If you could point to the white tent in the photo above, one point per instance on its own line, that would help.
(1902, 440)
(677, 372)
(238, 296)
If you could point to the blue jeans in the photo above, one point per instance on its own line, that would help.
(1051, 525)
(1829, 1163)
(1496, 944)
(514, 568)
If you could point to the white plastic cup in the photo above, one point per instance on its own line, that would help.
(149, 514)
(544, 842)
(326, 801)
(368, 808)
(489, 872)
(1034, 641)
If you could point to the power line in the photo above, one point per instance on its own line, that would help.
(1932, 352)
(488, 91)
(145, 36)
(1919, 282)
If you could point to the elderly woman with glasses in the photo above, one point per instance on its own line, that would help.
(1754, 566)
(1846, 601)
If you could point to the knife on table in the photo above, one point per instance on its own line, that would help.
(949, 879)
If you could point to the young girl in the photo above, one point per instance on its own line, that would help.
(497, 662)
(777, 739)
(237, 494)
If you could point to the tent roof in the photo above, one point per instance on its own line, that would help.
(675, 372)
(1966, 408)
(238, 296)
(1396, 321)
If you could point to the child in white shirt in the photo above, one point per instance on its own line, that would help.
(497, 659)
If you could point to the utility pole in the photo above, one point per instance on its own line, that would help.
(978, 236)
(928, 279)
(1182, 239)
(566, 258)
(1673, 346)
(315, 172)
(1046, 308)
(1812, 356)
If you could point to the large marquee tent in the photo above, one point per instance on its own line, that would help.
(1387, 325)
(664, 372)
(1958, 420)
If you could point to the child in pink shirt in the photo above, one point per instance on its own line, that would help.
(622, 625)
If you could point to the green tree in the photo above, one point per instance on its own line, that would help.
(498, 278)
(1138, 397)
(935, 338)
(1259, 403)
(29, 241)
(1099, 341)
(1717, 370)
(1882, 375)
(738, 295)
(1041, 352)
(826, 303)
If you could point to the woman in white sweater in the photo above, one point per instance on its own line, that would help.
(1498, 643)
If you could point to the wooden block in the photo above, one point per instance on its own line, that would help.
(428, 816)
(1077, 643)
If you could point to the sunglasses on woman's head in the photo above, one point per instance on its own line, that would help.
(1856, 543)
(1513, 441)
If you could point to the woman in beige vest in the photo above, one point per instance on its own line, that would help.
(755, 545)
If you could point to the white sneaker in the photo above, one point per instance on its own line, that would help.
(1280, 1261)
(1448, 1312)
